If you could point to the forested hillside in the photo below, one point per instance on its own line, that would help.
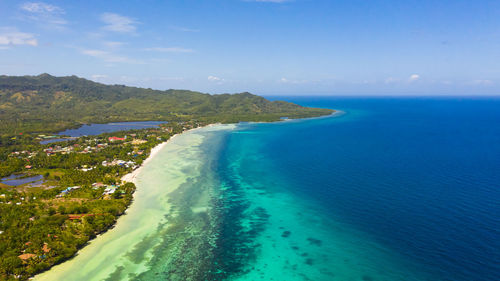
(45, 103)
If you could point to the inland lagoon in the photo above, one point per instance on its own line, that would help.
(97, 129)
(392, 189)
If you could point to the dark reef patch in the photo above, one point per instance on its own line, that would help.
(314, 241)
(116, 275)
(236, 222)
(286, 234)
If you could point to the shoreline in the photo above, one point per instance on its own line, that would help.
(132, 176)
(93, 247)
(114, 234)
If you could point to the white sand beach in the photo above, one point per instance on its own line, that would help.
(126, 249)
(130, 177)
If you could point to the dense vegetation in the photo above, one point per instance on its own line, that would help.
(46, 103)
(42, 225)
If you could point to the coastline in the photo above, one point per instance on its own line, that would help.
(132, 209)
(131, 177)
(162, 173)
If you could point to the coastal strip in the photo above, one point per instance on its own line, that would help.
(130, 177)
(131, 246)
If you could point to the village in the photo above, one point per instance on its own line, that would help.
(61, 194)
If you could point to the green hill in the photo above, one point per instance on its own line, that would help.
(45, 103)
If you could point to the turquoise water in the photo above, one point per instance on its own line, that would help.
(394, 189)
(277, 233)
(391, 189)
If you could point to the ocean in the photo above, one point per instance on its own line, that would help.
(396, 189)
(386, 189)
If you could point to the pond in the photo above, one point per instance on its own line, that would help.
(97, 129)
(16, 180)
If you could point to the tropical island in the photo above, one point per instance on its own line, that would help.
(68, 192)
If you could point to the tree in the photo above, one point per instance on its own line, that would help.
(9, 264)
(62, 209)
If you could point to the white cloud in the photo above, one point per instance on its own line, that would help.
(290, 81)
(171, 78)
(11, 36)
(118, 23)
(94, 53)
(390, 80)
(110, 57)
(214, 79)
(113, 44)
(183, 29)
(44, 13)
(414, 77)
(40, 7)
(482, 82)
(170, 50)
(98, 76)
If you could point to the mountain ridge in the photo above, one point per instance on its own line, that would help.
(46, 103)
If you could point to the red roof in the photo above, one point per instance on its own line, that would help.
(115, 139)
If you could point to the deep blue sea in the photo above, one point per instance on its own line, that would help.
(391, 189)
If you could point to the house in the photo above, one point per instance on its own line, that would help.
(75, 217)
(26, 257)
(67, 190)
(46, 248)
(138, 141)
(111, 139)
(109, 191)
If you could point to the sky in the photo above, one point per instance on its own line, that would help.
(267, 47)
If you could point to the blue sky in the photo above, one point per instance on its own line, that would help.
(447, 47)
